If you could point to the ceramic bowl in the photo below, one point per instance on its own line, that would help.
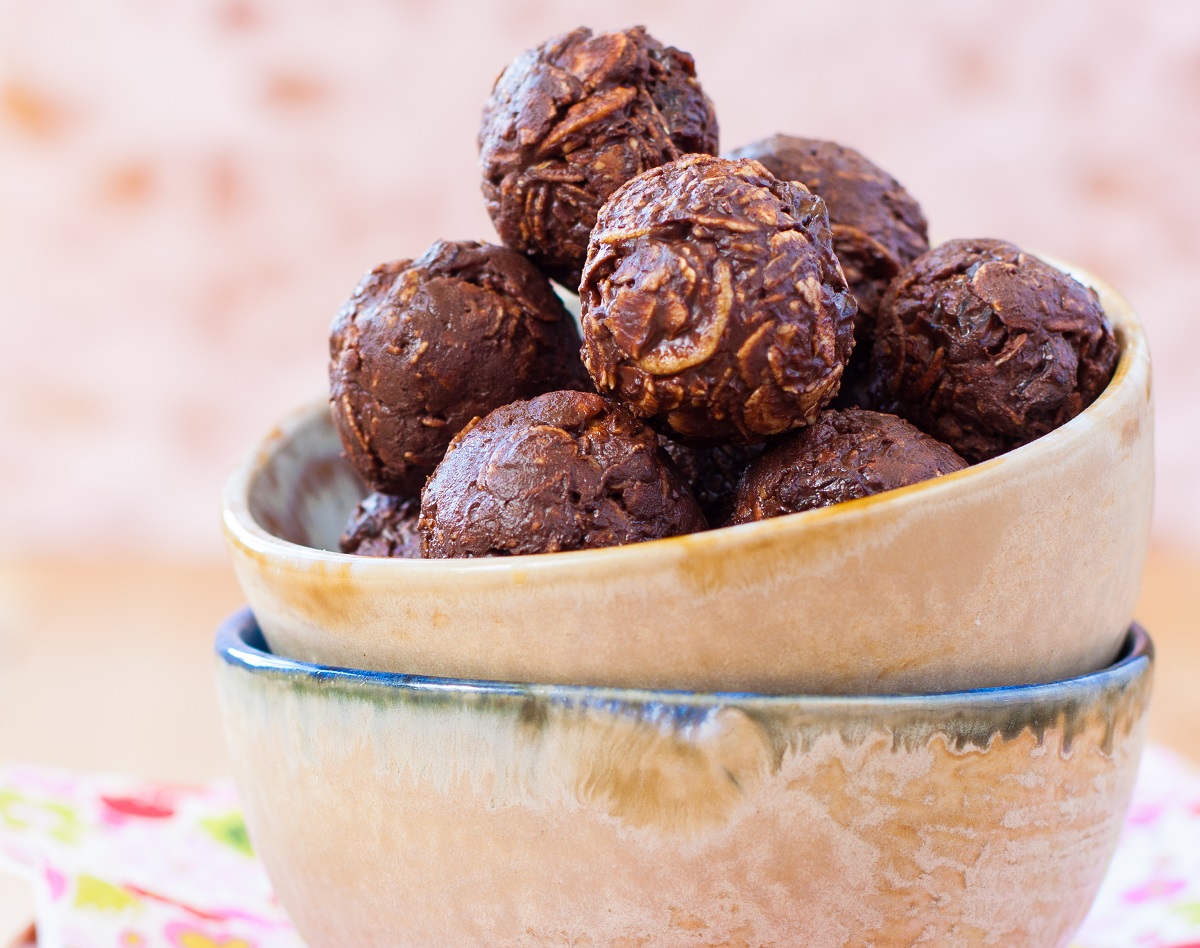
(402, 810)
(1021, 569)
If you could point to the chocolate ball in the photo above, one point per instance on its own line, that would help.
(841, 456)
(563, 471)
(384, 525)
(571, 121)
(987, 347)
(424, 346)
(878, 228)
(712, 301)
(712, 473)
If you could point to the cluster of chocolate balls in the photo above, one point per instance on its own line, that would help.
(762, 333)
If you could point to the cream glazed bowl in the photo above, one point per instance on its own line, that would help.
(401, 810)
(1021, 569)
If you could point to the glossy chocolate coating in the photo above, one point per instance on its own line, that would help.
(987, 347)
(383, 525)
(712, 302)
(424, 346)
(843, 455)
(563, 471)
(571, 121)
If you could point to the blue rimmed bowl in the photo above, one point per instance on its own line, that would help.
(403, 810)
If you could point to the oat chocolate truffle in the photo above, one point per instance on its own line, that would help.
(986, 347)
(563, 471)
(571, 121)
(878, 229)
(841, 456)
(424, 346)
(712, 302)
(712, 473)
(384, 525)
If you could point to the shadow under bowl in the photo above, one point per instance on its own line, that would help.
(1021, 569)
(404, 810)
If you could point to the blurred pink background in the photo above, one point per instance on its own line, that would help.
(188, 190)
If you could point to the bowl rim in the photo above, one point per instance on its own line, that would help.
(243, 530)
(240, 644)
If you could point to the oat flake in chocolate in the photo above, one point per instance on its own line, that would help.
(841, 456)
(712, 302)
(383, 525)
(424, 346)
(987, 347)
(563, 471)
(571, 121)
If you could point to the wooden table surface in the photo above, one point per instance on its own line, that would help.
(108, 667)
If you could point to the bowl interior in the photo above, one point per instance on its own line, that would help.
(305, 490)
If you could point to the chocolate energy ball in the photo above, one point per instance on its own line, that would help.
(571, 121)
(424, 346)
(383, 525)
(712, 301)
(987, 347)
(712, 473)
(563, 471)
(878, 228)
(841, 456)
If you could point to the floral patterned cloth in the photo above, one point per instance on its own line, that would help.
(1151, 895)
(120, 863)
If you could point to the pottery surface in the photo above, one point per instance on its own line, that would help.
(1022, 569)
(401, 810)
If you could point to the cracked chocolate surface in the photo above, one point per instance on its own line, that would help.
(424, 346)
(843, 455)
(987, 347)
(383, 525)
(572, 120)
(563, 471)
(712, 302)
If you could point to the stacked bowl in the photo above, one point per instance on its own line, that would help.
(913, 718)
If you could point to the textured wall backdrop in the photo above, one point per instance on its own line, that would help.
(188, 190)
